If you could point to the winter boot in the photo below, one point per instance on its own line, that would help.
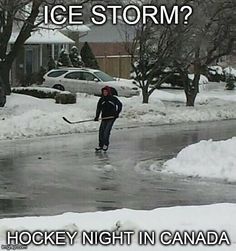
(105, 148)
(98, 149)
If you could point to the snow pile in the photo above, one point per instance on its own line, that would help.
(206, 159)
(197, 218)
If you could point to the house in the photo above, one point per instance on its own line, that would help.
(109, 45)
(229, 60)
(44, 43)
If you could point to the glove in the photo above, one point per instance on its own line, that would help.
(96, 119)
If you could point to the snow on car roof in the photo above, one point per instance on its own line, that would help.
(75, 69)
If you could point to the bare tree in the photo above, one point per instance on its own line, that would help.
(209, 36)
(12, 12)
(151, 52)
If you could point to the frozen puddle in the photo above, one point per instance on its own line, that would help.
(149, 166)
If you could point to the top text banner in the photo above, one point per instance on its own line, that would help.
(130, 14)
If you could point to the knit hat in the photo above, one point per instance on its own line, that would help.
(108, 89)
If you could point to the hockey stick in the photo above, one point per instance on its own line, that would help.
(82, 121)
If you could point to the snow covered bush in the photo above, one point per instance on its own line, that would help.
(230, 83)
(230, 71)
(36, 92)
(64, 59)
(230, 78)
(61, 97)
(215, 73)
(65, 98)
(75, 57)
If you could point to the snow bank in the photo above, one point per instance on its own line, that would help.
(26, 116)
(206, 159)
(198, 218)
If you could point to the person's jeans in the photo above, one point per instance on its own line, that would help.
(105, 131)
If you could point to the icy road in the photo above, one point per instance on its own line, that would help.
(52, 175)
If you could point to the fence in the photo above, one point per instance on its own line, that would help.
(117, 66)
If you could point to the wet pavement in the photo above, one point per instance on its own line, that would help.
(52, 175)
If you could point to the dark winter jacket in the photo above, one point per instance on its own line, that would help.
(109, 106)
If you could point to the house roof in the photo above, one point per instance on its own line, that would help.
(74, 28)
(77, 28)
(44, 36)
(109, 33)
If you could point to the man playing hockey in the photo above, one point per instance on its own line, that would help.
(110, 107)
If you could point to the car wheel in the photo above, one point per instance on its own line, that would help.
(59, 87)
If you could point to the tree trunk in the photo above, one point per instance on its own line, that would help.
(5, 76)
(192, 89)
(145, 95)
(191, 96)
(2, 94)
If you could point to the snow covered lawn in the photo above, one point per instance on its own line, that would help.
(219, 217)
(25, 116)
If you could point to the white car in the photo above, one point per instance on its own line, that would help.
(87, 81)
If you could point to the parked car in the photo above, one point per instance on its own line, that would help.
(87, 81)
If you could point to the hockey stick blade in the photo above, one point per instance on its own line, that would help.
(77, 122)
(67, 120)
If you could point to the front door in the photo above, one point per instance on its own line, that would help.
(31, 59)
(28, 61)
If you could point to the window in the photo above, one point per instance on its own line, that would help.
(88, 76)
(103, 76)
(80, 75)
(56, 74)
(75, 75)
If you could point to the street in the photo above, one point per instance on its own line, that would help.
(52, 175)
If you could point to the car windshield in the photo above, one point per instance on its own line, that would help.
(103, 76)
